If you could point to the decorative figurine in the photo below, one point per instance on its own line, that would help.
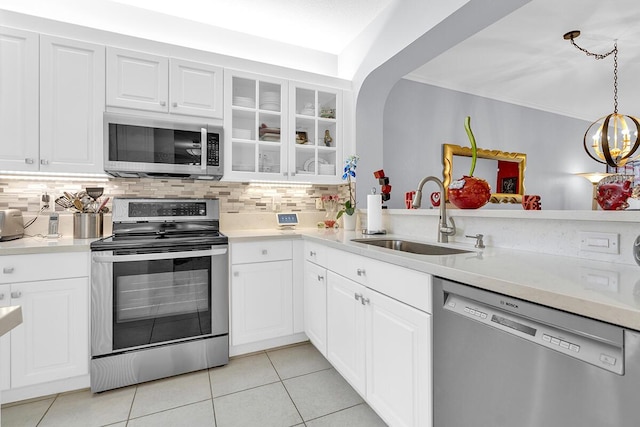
(327, 138)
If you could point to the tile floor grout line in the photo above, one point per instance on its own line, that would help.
(164, 410)
(213, 405)
(285, 389)
(48, 409)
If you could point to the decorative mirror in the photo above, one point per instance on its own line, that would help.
(503, 171)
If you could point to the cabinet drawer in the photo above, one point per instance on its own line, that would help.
(34, 267)
(261, 251)
(403, 284)
(315, 253)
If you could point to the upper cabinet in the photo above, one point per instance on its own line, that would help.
(19, 101)
(52, 103)
(155, 83)
(279, 130)
(255, 123)
(316, 129)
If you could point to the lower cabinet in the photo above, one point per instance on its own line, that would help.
(266, 294)
(315, 305)
(261, 303)
(382, 347)
(52, 343)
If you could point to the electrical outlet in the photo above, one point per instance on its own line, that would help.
(319, 204)
(45, 202)
(599, 242)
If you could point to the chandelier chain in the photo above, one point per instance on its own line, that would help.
(614, 51)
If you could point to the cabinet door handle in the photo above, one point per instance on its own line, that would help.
(44, 162)
(364, 300)
(175, 104)
(320, 277)
(28, 161)
(360, 271)
(163, 103)
(7, 270)
(1, 296)
(16, 294)
(357, 296)
(265, 252)
(312, 253)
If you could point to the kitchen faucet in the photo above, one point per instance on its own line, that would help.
(444, 230)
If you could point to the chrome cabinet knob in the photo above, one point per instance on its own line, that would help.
(7, 270)
(357, 296)
(320, 277)
(163, 103)
(16, 294)
(44, 162)
(175, 104)
(312, 253)
(360, 271)
(1, 296)
(28, 161)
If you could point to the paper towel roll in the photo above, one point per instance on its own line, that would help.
(374, 212)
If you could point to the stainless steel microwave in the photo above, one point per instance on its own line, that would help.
(148, 147)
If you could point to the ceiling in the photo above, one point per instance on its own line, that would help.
(523, 59)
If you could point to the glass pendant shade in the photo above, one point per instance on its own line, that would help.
(613, 139)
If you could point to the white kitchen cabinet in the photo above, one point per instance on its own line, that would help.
(256, 121)
(315, 305)
(19, 101)
(142, 81)
(51, 104)
(52, 343)
(71, 106)
(261, 291)
(316, 124)
(398, 360)
(346, 337)
(278, 130)
(379, 333)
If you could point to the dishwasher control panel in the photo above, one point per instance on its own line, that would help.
(588, 349)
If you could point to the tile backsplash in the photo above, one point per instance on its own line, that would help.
(25, 194)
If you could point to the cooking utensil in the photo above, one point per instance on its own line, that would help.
(102, 205)
(78, 205)
(95, 192)
(64, 202)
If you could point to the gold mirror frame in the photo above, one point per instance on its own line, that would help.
(450, 150)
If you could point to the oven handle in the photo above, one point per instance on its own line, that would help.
(203, 149)
(98, 257)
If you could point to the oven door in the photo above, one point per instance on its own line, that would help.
(144, 298)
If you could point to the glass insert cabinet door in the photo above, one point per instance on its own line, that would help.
(161, 301)
(257, 111)
(317, 131)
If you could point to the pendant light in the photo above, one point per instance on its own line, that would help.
(610, 140)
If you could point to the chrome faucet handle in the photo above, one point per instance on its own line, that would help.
(479, 242)
(449, 230)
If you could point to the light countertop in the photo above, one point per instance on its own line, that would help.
(10, 317)
(600, 290)
(37, 245)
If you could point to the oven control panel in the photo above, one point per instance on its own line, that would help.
(141, 210)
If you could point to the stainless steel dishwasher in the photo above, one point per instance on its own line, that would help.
(503, 362)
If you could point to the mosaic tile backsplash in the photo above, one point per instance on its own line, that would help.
(234, 197)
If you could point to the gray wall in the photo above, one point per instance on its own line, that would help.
(419, 118)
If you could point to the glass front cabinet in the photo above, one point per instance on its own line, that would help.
(281, 131)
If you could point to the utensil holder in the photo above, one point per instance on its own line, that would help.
(87, 225)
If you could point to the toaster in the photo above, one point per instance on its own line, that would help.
(11, 224)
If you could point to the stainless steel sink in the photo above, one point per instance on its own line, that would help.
(412, 247)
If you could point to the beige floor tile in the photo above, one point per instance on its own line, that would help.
(194, 415)
(242, 373)
(297, 360)
(321, 393)
(25, 415)
(265, 406)
(168, 393)
(84, 409)
(356, 416)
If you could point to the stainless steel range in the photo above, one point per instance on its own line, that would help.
(159, 292)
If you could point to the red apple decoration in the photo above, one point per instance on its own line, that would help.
(470, 192)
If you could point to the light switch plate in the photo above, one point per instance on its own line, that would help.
(600, 242)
